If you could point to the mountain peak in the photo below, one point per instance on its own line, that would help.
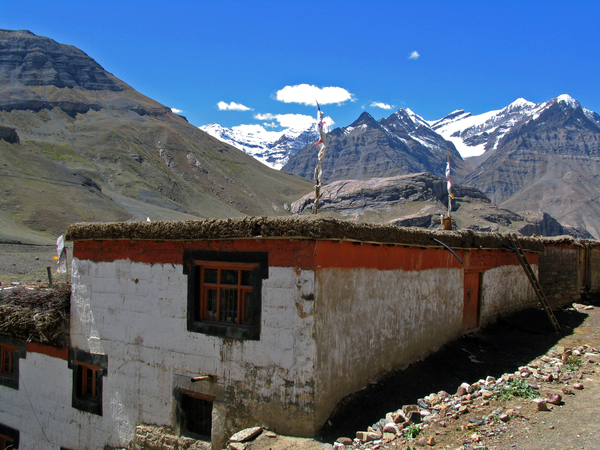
(565, 98)
(40, 61)
(520, 103)
(364, 119)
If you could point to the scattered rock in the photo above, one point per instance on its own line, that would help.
(541, 404)
(553, 398)
(246, 434)
(568, 390)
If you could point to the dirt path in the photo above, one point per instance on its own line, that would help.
(499, 349)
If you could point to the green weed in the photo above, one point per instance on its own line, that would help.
(517, 387)
(413, 431)
(572, 364)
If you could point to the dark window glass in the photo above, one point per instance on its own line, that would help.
(211, 304)
(246, 278)
(229, 305)
(247, 307)
(211, 276)
(229, 276)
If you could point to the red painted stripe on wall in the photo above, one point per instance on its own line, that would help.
(47, 350)
(302, 254)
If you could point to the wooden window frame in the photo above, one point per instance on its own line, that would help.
(219, 286)
(9, 438)
(83, 380)
(7, 351)
(13, 350)
(198, 321)
(84, 397)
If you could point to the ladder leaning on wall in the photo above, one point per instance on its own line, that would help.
(516, 246)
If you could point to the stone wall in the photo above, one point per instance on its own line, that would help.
(151, 437)
(559, 273)
(593, 270)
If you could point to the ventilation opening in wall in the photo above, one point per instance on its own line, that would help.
(195, 418)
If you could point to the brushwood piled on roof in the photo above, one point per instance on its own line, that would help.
(39, 315)
(292, 227)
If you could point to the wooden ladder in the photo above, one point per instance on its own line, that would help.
(516, 246)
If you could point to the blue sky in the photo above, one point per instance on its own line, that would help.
(274, 57)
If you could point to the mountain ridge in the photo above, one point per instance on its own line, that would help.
(400, 144)
(111, 154)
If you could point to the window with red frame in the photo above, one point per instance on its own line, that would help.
(88, 381)
(89, 369)
(226, 292)
(6, 360)
(9, 438)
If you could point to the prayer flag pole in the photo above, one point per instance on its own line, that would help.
(321, 146)
(447, 222)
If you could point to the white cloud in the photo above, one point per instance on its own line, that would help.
(381, 105)
(307, 94)
(298, 122)
(176, 111)
(268, 116)
(414, 55)
(232, 107)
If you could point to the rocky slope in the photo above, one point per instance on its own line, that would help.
(401, 144)
(418, 200)
(91, 148)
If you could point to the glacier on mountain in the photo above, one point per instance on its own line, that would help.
(272, 148)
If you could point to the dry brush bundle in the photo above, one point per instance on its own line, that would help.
(37, 314)
(294, 226)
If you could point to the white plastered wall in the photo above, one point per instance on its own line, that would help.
(41, 408)
(371, 321)
(136, 314)
(505, 289)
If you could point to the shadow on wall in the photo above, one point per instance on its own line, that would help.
(500, 348)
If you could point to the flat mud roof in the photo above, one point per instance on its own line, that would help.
(296, 227)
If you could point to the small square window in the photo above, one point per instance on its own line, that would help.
(224, 292)
(88, 381)
(88, 371)
(195, 414)
(6, 361)
(9, 438)
(10, 352)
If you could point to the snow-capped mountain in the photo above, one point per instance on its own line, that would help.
(404, 123)
(400, 144)
(272, 148)
(474, 135)
(548, 161)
